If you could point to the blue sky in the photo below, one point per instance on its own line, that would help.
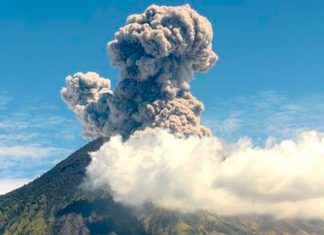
(269, 80)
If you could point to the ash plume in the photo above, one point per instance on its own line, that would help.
(160, 153)
(158, 52)
(87, 94)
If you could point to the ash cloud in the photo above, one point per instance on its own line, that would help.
(87, 95)
(158, 52)
(159, 151)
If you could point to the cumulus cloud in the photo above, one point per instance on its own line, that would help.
(157, 51)
(188, 174)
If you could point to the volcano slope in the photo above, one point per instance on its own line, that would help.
(55, 203)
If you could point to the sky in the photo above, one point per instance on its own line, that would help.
(268, 83)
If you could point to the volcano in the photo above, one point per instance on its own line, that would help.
(55, 203)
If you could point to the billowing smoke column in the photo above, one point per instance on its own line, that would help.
(160, 153)
(88, 94)
(157, 51)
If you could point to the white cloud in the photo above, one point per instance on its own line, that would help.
(226, 126)
(9, 184)
(29, 151)
(26, 121)
(264, 115)
(13, 137)
(282, 179)
(4, 99)
(34, 136)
